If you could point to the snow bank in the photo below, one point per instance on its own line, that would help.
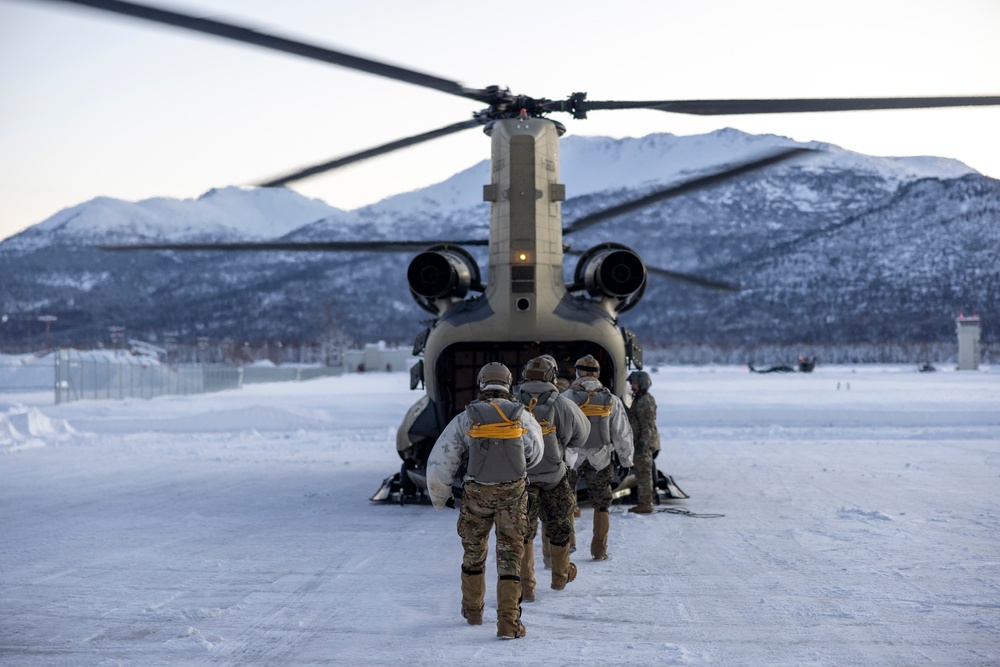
(22, 427)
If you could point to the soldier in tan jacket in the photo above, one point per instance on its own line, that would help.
(645, 437)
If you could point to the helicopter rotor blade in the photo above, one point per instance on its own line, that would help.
(744, 107)
(681, 188)
(369, 153)
(692, 279)
(250, 36)
(297, 246)
(577, 103)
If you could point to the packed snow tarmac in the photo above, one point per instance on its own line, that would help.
(861, 526)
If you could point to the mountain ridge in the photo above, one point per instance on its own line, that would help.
(814, 241)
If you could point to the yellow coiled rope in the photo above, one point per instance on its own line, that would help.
(507, 430)
(547, 427)
(595, 410)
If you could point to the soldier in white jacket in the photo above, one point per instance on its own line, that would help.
(500, 440)
(609, 430)
(549, 493)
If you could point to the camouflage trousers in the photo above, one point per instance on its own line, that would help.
(598, 484)
(554, 507)
(504, 505)
(573, 476)
(642, 465)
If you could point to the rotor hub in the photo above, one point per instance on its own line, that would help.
(504, 104)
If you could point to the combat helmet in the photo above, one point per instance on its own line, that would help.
(561, 383)
(642, 379)
(540, 368)
(587, 366)
(495, 373)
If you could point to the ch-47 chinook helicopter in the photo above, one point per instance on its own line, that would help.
(525, 307)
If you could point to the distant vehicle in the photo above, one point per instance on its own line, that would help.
(805, 365)
(783, 368)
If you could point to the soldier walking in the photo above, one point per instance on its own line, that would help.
(500, 440)
(563, 425)
(609, 429)
(646, 437)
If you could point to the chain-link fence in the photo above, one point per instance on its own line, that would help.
(98, 375)
(83, 375)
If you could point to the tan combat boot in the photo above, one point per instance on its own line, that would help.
(645, 504)
(546, 554)
(528, 572)
(473, 594)
(599, 543)
(509, 624)
(563, 571)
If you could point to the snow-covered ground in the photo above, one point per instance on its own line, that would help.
(861, 527)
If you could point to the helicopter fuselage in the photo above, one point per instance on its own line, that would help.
(526, 308)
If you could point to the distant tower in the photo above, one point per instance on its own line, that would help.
(968, 342)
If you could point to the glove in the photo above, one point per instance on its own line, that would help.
(450, 503)
(623, 472)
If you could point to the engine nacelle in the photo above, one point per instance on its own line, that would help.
(613, 271)
(441, 275)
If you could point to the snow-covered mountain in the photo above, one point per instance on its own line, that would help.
(831, 247)
(231, 213)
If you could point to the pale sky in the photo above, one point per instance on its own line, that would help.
(93, 104)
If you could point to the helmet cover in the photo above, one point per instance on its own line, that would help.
(495, 373)
(588, 365)
(540, 368)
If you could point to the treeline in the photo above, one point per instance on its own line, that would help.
(941, 354)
